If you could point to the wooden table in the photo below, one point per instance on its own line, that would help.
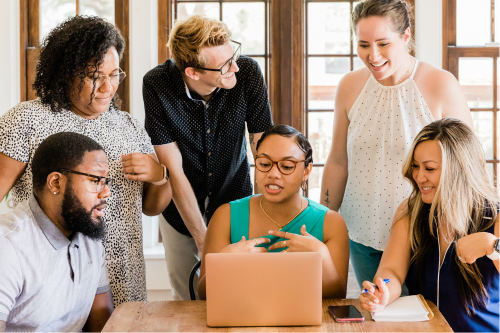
(191, 316)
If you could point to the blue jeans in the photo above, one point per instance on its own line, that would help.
(365, 261)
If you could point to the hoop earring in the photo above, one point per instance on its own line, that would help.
(303, 186)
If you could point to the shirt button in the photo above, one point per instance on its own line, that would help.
(208, 130)
(209, 153)
(210, 174)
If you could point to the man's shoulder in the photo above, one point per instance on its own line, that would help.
(248, 65)
(13, 222)
(163, 70)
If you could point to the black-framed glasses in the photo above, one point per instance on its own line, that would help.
(227, 65)
(97, 185)
(265, 164)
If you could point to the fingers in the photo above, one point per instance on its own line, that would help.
(382, 287)
(303, 231)
(279, 245)
(366, 303)
(257, 241)
(282, 234)
(135, 170)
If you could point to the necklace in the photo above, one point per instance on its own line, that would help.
(280, 226)
(406, 72)
(78, 117)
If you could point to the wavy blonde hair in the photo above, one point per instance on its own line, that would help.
(465, 194)
(189, 36)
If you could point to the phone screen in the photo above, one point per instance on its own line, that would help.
(345, 313)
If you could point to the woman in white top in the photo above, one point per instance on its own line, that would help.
(76, 80)
(379, 110)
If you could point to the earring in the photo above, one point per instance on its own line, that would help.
(55, 192)
(303, 186)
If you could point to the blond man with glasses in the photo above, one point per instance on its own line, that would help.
(76, 82)
(197, 105)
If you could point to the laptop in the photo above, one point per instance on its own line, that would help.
(264, 289)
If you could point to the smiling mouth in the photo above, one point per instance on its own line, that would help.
(274, 187)
(380, 65)
(229, 75)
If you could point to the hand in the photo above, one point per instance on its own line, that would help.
(377, 297)
(474, 246)
(304, 242)
(246, 246)
(141, 167)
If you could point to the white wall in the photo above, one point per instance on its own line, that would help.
(428, 31)
(9, 55)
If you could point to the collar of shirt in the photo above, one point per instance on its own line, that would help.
(55, 237)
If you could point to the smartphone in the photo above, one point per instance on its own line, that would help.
(345, 313)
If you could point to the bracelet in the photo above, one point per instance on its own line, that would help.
(164, 179)
(494, 256)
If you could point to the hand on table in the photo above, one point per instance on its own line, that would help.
(141, 167)
(246, 246)
(304, 242)
(474, 246)
(377, 297)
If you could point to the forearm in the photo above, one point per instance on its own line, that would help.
(333, 185)
(333, 285)
(155, 198)
(2, 326)
(187, 205)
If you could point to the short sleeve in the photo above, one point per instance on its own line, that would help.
(11, 277)
(103, 285)
(14, 140)
(144, 140)
(156, 121)
(259, 116)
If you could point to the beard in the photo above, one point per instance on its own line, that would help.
(78, 219)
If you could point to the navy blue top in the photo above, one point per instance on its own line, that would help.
(440, 286)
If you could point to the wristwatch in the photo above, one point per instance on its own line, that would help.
(165, 177)
(496, 250)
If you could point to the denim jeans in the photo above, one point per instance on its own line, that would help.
(365, 261)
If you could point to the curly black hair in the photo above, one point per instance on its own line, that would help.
(65, 54)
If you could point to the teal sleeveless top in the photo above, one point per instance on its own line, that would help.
(313, 217)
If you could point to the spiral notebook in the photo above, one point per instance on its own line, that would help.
(409, 308)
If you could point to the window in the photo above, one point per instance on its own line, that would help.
(471, 53)
(38, 17)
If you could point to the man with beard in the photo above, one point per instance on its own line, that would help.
(52, 266)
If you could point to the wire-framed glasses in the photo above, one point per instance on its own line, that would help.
(97, 184)
(265, 164)
(114, 79)
(227, 65)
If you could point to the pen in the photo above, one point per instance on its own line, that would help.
(386, 281)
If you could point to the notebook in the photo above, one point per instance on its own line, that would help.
(264, 289)
(409, 308)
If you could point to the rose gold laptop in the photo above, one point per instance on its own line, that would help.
(264, 289)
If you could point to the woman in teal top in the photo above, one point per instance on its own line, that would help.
(280, 219)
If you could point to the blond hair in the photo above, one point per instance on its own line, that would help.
(465, 194)
(189, 36)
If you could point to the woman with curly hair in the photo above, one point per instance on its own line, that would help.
(444, 241)
(76, 80)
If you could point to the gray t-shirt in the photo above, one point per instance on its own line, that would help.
(48, 283)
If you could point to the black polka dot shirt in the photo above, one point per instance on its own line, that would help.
(210, 135)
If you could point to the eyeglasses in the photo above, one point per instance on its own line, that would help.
(114, 79)
(227, 65)
(97, 185)
(265, 164)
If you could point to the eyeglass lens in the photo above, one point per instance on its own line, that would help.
(114, 79)
(235, 57)
(264, 164)
(98, 185)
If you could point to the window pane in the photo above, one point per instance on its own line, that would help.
(324, 75)
(249, 149)
(320, 132)
(358, 63)
(211, 10)
(262, 64)
(314, 183)
(476, 79)
(101, 8)
(53, 12)
(497, 18)
(473, 22)
(328, 28)
(483, 127)
(247, 24)
(354, 37)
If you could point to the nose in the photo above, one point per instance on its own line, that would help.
(419, 176)
(374, 54)
(105, 193)
(274, 172)
(106, 86)
(234, 67)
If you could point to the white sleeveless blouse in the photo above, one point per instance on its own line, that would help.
(384, 120)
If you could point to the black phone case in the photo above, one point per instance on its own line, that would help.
(345, 320)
